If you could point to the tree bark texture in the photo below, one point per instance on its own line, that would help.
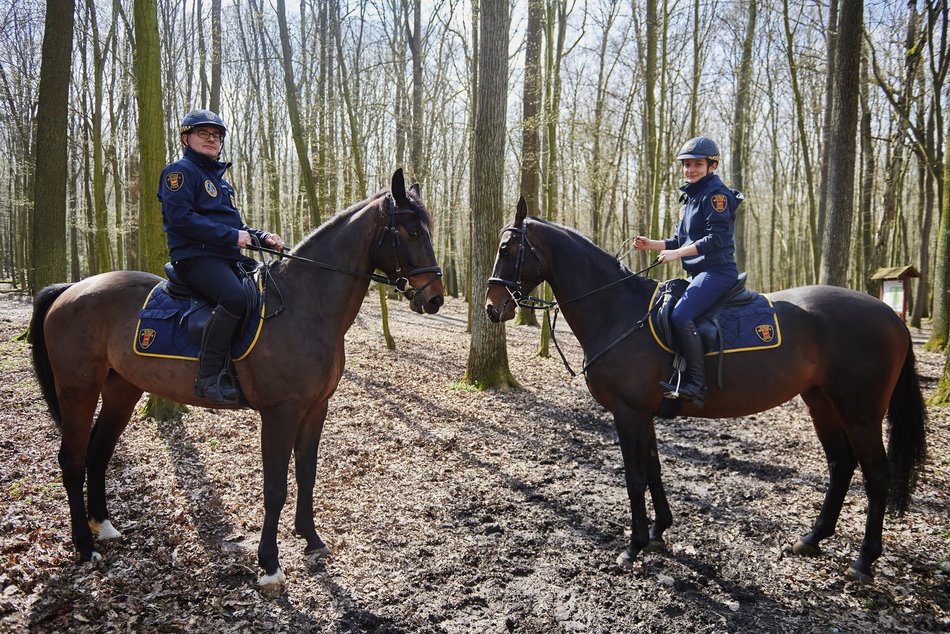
(488, 356)
(48, 230)
(837, 235)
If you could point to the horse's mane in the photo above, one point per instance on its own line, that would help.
(343, 216)
(608, 259)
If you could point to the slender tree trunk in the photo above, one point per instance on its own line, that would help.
(867, 179)
(740, 123)
(830, 95)
(835, 247)
(488, 356)
(48, 229)
(530, 123)
(416, 158)
(293, 113)
(800, 114)
(214, 99)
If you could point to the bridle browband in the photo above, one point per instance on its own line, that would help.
(516, 294)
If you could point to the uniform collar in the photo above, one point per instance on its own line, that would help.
(691, 189)
(203, 161)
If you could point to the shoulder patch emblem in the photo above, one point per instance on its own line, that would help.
(718, 202)
(213, 191)
(765, 332)
(174, 180)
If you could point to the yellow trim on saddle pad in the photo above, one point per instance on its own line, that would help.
(659, 342)
(260, 326)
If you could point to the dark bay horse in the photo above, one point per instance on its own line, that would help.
(847, 354)
(82, 349)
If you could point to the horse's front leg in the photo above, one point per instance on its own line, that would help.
(278, 432)
(306, 450)
(635, 431)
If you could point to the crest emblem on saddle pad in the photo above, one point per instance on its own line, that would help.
(718, 202)
(211, 189)
(765, 332)
(146, 337)
(174, 180)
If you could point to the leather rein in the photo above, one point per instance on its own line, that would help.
(401, 283)
(530, 302)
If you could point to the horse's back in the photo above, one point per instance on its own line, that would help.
(838, 311)
(861, 341)
(99, 311)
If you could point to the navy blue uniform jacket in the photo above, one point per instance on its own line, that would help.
(708, 220)
(198, 212)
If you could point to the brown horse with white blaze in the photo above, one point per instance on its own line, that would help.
(846, 353)
(83, 337)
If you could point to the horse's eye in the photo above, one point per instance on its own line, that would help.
(413, 233)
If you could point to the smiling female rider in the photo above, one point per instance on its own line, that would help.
(205, 237)
(705, 242)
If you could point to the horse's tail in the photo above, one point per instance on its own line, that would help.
(907, 446)
(44, 371)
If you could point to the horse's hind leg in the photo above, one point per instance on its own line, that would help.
(854, 438)
(306, 449)
(118, 401)
(77, 408)
(841, 465)
(663, 517)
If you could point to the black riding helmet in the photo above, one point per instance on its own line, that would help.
(196, 118)
(699, 147)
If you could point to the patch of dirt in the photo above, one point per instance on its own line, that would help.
(450, 510)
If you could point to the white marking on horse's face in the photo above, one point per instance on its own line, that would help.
(104, 531)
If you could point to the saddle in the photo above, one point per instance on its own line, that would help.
(200, 309)
(741, 320)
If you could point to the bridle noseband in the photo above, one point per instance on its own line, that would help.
(515, 292)
(400, 253)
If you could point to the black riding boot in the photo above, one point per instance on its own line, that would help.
(214, 380)
(693, 386)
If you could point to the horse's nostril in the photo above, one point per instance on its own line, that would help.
(437, 301)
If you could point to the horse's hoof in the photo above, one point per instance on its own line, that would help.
(858, 576)
(805, 549)
(625, 560)
(104, 531)
(316, 555)
(272, 586)
(655, 546)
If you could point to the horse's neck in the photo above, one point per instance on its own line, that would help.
(330, 294)
(574, 272)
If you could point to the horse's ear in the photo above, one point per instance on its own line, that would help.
(399, 187)
(522, 211)
(416, 189)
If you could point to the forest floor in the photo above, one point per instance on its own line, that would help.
(451, 510)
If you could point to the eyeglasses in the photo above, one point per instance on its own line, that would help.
(208, 134)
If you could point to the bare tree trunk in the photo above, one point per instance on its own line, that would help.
(837, 239)
(800, 114)
(48, 229)
(737, 162)
(214, 99)
(867, 180)
(488, 356)
(416, 158)
(293, 113)
(833, 28)
(530, 123)
(152, 245)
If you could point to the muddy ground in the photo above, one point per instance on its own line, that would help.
(450, 510)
